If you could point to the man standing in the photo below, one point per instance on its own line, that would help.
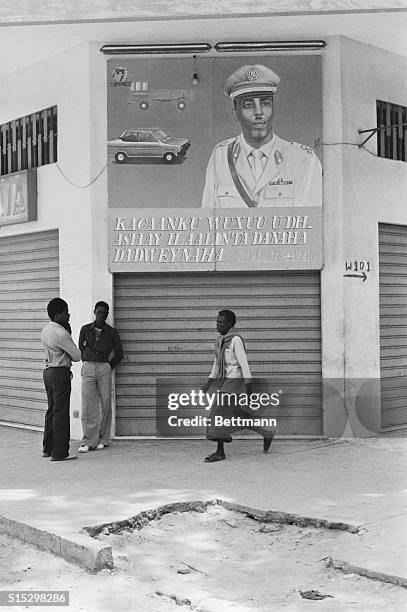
(60, 351)
(101, 351)
(257, 168)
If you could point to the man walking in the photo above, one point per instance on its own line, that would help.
(101, 351)
(60, 351)
(231, 375)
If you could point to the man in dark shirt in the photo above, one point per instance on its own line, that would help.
(101, 350)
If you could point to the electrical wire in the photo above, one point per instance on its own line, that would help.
(371, 152)
(352, 144)
(324, 144)
(81, 186)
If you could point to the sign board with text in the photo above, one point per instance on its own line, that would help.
(234, 239)
(18, 197)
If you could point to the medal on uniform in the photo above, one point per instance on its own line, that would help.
(278, 158)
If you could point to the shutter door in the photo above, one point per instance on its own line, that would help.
(393, 323)
(167, 324)
(29, 278)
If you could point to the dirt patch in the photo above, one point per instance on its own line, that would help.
(272, 516)
(232, 561)
(215, 560)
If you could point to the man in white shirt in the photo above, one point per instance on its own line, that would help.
(60, 350)
(257, 168)
(231, 375)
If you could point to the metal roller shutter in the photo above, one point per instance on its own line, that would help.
(29, 278)
(393, 323)
(167, 324)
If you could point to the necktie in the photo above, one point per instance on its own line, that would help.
(257, 165)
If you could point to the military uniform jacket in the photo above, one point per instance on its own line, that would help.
(292, 176)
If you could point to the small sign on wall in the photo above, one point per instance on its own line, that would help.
(18, 197)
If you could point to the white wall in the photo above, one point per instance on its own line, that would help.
(76, 84)
(332, 299)
(24, 45)
(361, 190)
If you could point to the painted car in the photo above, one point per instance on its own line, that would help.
(148, 143)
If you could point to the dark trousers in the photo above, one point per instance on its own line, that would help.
(57, 383)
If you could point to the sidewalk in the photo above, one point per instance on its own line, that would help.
(361, 482)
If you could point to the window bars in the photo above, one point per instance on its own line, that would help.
(29, 142)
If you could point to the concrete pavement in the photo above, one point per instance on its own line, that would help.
(361, 482)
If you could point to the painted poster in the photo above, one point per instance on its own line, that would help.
(240, 134)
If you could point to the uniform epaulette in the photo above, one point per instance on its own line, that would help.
(303, 147)
(224, 143)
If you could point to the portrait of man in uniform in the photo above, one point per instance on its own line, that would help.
(257, 168)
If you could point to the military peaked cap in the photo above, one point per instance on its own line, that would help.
(251, 79)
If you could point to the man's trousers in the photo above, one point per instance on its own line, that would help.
(96, 420)
(57, 383)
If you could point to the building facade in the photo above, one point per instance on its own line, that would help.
(333, 331)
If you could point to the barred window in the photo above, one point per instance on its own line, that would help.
(29, 142)
(391, 141)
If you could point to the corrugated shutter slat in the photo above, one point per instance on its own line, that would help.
(393, 323)
(278, 316)
(29, 278)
